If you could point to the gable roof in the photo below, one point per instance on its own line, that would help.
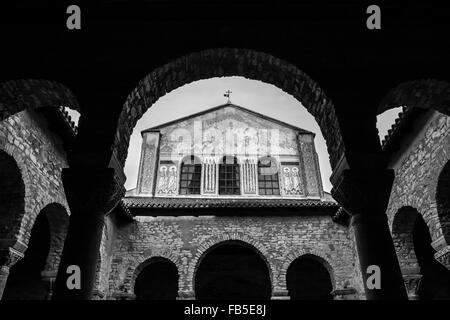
(223, 106)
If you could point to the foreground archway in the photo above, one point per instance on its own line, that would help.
(223, 62)
(232, 271)
(158, 280)
(308, 279)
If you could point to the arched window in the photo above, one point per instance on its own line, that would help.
(268, 177)
(191, 171)
(229, 176)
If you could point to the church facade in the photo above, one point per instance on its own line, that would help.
(229, 204)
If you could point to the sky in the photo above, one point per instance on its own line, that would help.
(251, 94)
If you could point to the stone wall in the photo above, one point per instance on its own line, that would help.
(39, 156)
(279, 240)
(417, 171)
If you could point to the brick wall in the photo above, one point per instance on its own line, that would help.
(39, 156)
(417, 172)
(279, 240)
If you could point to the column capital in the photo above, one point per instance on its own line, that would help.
(412, 282)
(9, 257)
(361, 192)
(443, 256)
(91, 189)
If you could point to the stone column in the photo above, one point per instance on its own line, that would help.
(91, 193)
(365, 195)
(8, 257)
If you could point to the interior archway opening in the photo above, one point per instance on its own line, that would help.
(308, 279)
(157, 281)
(232, 272)
(25, 279)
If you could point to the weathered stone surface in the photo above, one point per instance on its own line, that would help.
(417, 173)
(279, 240)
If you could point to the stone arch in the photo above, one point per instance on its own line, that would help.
(442, 197)
(423, 93)
(144, 260)
(298, 253)
(148, 262)
(223, 62)
(402, 235)
(224, 238)
(26, 94)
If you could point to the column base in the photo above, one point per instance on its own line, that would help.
(344, 294)
(186, 295)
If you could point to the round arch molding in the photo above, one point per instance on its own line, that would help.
(27, 94)
(146, 259)
(315, 254)
(225, 62)
(222, 239)
(424, 94)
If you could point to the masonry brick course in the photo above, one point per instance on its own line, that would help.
(185, 241)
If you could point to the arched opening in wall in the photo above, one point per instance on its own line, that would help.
(25, 279)
(308, 279)
(258, 81)
(12, 196)
(157, 280)
(232, 271)
(412, 241)
(443, 200)
(435, 282)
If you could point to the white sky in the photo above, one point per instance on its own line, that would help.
(251, 94)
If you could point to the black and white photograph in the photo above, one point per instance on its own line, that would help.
(224, 158)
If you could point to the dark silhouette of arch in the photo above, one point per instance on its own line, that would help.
(232, 271)
(308, 279)
(12, 196)
(443, 200)
(45, 245)
(222, 62)
(229, 176)
(157, 280)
